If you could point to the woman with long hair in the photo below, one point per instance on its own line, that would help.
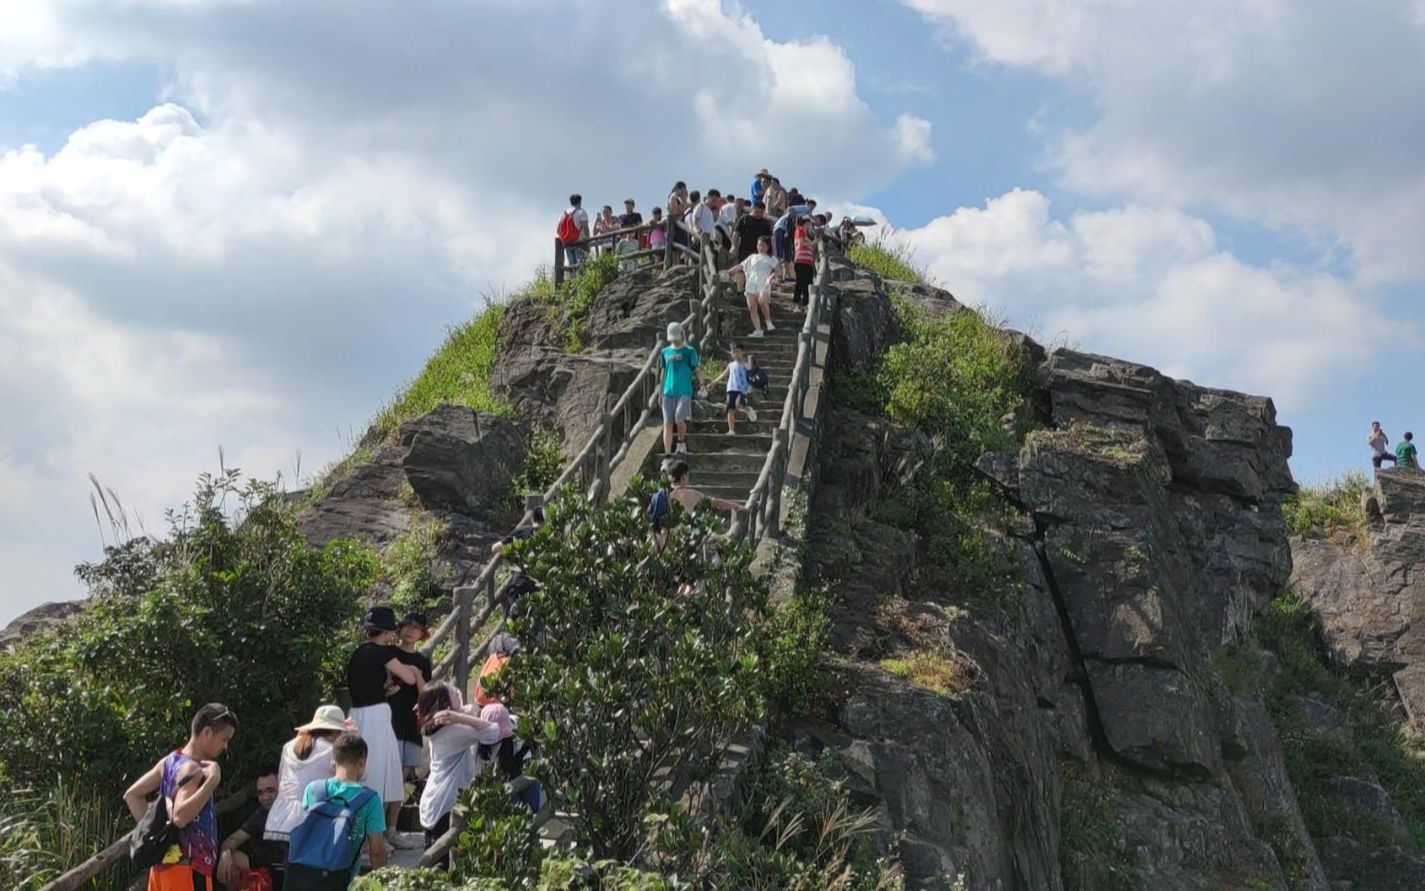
(306, 758)
(454, 732)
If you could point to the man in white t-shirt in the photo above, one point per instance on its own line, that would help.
(574, 256)
(1378, 442)
(704, 216)
(757, 270)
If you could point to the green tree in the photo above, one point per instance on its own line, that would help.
(648, 661)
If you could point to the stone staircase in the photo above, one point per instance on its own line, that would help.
(724, 465)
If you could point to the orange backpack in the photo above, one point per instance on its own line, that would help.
(492, 666)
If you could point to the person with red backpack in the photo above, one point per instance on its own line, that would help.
(342, 816)
(573, 228)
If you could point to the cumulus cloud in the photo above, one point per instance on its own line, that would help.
(258, 261)
(1304, 115)
(1152, 284)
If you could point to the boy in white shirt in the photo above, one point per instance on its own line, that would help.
(737, 388)
(757, 271)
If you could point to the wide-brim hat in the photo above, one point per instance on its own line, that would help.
(382, 618)
(763, 172)
(419, 620)
(326, 717)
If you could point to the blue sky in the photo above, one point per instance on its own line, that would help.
(245, 224)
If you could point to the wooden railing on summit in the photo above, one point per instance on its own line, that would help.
(475, 604)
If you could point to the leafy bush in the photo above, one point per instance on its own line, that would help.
(411, 566)
(499, 840)
(1333, 510)
(797, 682)
(967, 407)
(543, 463)
(889, 259)
(649, 660)
(239, 609)
(1376, 748)
(392, 878)
(458, 373)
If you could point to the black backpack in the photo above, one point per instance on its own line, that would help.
(155, 833)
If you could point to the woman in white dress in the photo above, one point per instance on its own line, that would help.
(305, 759)
(367, 673)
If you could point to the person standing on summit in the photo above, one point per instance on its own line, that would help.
(759, 185)
(574, 228)
(1378, 442)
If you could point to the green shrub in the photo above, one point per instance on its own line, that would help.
(411, 566)
(1090, 847)
(392, 878)
(1377, 747)
(576, 298)
(543, 463)
(457, 373)
(650, 661)
(889, 259)
(239, 609)
(1333, 510)
(797, 680)
(499, 840)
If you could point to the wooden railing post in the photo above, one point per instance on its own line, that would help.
(781, 445)
(558, 262)
(668, 243)
(606, 456)
(462, 641)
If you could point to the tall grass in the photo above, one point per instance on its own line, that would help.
(889, 259)
(45, 832)
(1332, 510)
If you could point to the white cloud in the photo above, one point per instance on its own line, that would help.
(1151, 284)
(259, 261)
(1305, 115)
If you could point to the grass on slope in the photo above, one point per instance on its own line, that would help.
(889, 260)
(1331, 510)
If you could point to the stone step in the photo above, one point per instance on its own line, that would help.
(740, 461)
(721, 441)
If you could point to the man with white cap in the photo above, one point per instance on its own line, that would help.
(679, 362)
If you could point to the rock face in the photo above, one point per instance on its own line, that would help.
(46, 615)
(1150, 539)
(550, 387)
(1371, 600)
(453, 464)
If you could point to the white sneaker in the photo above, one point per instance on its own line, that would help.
(751, 414)
(770, 326)
(682, 448)
(757, 333)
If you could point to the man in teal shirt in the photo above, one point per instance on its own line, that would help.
(1405, 453)
(679, 363)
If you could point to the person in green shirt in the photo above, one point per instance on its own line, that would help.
(1406, 454)
(679, 363)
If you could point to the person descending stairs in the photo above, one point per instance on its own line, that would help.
(727, 465)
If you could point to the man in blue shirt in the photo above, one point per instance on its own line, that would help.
(679, 363)
(759, 185)
(782, 235)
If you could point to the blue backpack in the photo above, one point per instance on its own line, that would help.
(325, 838)
(658, 508)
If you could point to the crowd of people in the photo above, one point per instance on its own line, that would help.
(338, 786)
(340, 782)
(1404, 454)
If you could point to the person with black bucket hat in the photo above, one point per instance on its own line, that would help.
(367, 674)
(413, 630)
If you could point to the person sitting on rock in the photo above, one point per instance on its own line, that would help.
(245, 852)
(1406, 454)
(1378, 441)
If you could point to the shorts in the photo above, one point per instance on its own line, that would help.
(677, 408)
(178, 877)
(411, 754)
(736, 399)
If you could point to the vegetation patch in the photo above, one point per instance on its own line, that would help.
(457, 373)
(1333, 510)
(412, 567)
(939, 672)
(233, 592)
(1090, 851)
(543, 462)
(1376, 748)
(889, 259)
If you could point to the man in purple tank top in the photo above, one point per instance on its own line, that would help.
(187, 779)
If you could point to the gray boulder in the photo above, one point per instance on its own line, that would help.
(458, 459)
(42, 617)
